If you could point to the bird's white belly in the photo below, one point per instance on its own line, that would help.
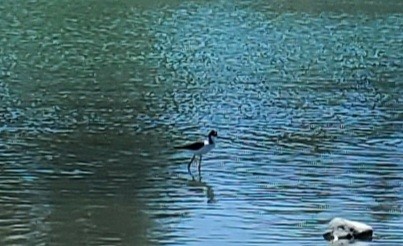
(204, 150)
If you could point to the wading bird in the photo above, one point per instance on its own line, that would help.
(200, 148)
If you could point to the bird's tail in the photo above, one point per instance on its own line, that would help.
(179, 147)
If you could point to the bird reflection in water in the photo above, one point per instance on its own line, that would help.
(197, 185)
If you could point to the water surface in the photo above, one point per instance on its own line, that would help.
(307, 98)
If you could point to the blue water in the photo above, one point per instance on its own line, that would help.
(306, 97)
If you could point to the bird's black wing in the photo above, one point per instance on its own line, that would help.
(192, 146)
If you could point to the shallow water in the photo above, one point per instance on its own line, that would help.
(306, 97)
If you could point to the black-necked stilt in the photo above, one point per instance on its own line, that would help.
(200, 148)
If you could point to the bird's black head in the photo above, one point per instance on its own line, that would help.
(213, 133)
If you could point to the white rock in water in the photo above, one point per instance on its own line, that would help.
(340, 228)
